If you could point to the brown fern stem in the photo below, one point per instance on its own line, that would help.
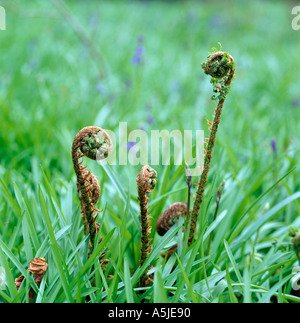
(95, 143)
(221, 67)
(146, 181)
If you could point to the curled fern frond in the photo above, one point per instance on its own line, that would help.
(146, 181)
(38, 267)
(169, 217)
(221, 67)
(95, 143)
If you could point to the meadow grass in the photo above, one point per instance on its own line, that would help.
(64, 70)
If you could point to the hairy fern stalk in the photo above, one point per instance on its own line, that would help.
(146, 181)
(94, 143)
(221, 67)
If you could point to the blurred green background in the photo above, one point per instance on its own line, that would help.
(50, 85)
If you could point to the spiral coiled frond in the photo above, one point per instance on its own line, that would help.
(146, 181)
(221, 67)
(169, 217)
(38, 267)
(95, 143)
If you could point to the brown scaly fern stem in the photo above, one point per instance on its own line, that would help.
(221, 66)
(146, 181)
(95, 143)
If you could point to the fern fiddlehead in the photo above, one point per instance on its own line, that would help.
(92, 142)
(221, 67)
(38, 267)
(167, 219)
(146, 181)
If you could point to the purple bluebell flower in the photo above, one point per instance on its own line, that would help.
(273, 145)
(131, 147)
(100, 88)
(296, 103)
(220, 192)
(137, 58)
(150, 119)
(130, 144)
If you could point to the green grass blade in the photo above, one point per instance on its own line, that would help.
(127, 283)
(62, 270)
(233, 262)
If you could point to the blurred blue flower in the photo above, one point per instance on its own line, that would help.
(274, 148)
(220, 192)
(130, 144)
(150, 119)
(176, 86)
(296, 103)
(131, 147)
(100, 88)
(137, 58)
(273, 145)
